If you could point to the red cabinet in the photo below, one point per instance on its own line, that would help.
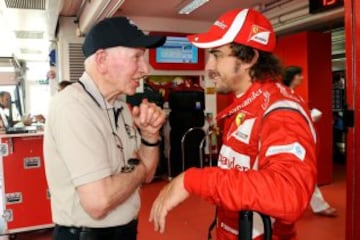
(25, 200)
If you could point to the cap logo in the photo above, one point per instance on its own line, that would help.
(259, 34)
(255, 29)
(220, 24)
(132, 23)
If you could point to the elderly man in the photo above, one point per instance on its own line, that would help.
(98, 152)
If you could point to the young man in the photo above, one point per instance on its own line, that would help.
(94, 159)
(267, 160)
(293, 77)
(5, 99)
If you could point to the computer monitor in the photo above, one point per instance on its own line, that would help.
(19, 100)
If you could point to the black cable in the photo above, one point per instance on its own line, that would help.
(212, 225)
(88, 93)
(116, 115)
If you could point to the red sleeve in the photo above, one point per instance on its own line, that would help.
(284, 182)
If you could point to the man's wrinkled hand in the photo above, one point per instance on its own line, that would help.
(149, 118)
(170, 196)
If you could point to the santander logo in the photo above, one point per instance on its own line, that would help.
(228, 158)
(220, 24)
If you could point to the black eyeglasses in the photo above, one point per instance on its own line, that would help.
(131, 132)
(130, 164)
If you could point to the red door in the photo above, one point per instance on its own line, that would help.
(352, 38)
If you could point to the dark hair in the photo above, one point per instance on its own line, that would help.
(64, 84)
(289, 74)
(267, 67)
(3, 93)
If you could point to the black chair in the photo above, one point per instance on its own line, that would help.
(246, 225)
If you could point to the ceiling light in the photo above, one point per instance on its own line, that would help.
(7, 69)
(193, 5)
(94, 11)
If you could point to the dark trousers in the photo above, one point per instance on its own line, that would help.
(124, 232)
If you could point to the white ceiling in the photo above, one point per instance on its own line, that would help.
(39, 25)
(169, 8)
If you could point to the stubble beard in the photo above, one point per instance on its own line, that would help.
(223, 89)
(220, 87)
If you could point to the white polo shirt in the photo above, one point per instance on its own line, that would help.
(79, 148)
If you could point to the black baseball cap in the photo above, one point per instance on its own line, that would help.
(118, 31)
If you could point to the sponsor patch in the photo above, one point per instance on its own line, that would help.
(243, 132)
(295, 148)
(259, 34)
(228, 158)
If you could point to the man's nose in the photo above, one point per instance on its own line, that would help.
(144, 67)
(210, 64)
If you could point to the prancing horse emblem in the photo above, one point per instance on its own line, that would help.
(239, 118)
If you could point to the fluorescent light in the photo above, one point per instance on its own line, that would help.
(94, 11)
(195, 4)
(7, 69)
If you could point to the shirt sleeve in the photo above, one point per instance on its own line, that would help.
(80, 143)
(284, 182)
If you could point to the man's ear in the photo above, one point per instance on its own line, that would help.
(100, 60)
(252, 62)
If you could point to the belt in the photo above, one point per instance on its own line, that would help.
(105, 230)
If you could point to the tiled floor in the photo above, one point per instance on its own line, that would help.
(191, 219)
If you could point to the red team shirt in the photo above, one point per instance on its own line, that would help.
(266, 163)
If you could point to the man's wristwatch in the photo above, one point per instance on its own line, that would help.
(150, 144)
(130, 165)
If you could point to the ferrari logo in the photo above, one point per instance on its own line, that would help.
(239, 118)
(255, 29)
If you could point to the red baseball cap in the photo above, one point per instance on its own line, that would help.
(243, 26)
